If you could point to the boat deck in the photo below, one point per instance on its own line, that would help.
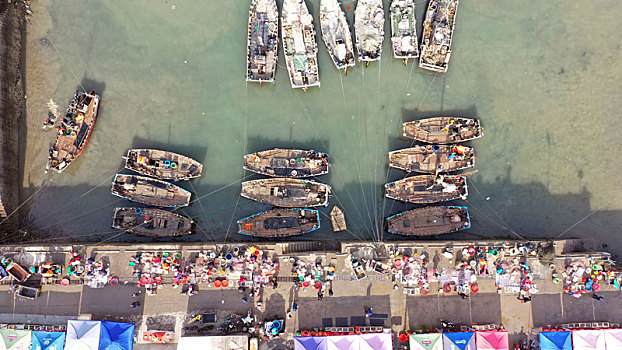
(443, 130)
(336, 34)
(299, 44)
(369, 29)
(429, 221)
(280, 222)
(438, 29)
(433, 159)
(263, 41)
(151, 222)
(287, 162)
(162, 164)
(404, 30)
(150, 191)
(423, 189)
(285, 192)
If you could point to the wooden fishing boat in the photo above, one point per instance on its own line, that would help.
(286, 192)
(438, 29)
(433, 159)
(443, 130)
(287, 162)
(369, 29)
(299, 44)
(152, 222)
(429, 221)
(162, 164)
(338, 219)
(427, 188)
(404, 30)
(336, 34)
(262, 51)
(280, 222)
(75, 130)
(149, 191)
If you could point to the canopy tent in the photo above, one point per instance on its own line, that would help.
(15, 339)
(429, 341)
(588, 339)
(555, 340)
(613, 338)
(42, 340)
(116, 336)
(370, 341)
(83, 335)
(225, 342)
(492, 340)
(459, 341)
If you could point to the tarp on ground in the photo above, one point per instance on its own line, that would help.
(15, 339)
(588, 339)
(555, 340)
(428, 341)
(459, 341)
(83, 335)
(492, 340)
(370, 341)
(613, 338)
(42, 340)
(116, 336)
(225, 342)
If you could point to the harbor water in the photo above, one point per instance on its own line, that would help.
(543, 78)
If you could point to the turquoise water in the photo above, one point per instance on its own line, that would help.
(543, 78)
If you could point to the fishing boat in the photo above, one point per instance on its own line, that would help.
(438, 29)
(336, 34)
(162, 164)
(299, 44)
(433, 159)
(429, 221)
(338, 219)
(287, 162)
(152, 222)
(423, 189)
(403, 30)
(369, 29)
(75, 130)
(443, 130)
(280, 222)
(286, 192)
(262, 51)
(149, 191)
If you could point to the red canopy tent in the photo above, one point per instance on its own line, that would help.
(492, 340)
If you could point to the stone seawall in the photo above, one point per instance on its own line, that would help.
(12, 109)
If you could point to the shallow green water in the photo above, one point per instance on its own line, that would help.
(543, 77)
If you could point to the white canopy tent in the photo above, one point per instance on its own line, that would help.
(613, 338)
(588, 339)
(82, 335)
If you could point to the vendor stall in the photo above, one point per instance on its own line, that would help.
(42, 340)
(588, 339)
(428, 341)
(492, 340)
(15, 339)
(613, 338)
(459, 341)
(228, 342)
(83, 334)
(116, 336)
(369, 341)
(555, 340)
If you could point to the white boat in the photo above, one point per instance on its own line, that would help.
(336, 34)
(438, 29)
(262, 50)
(404, 30)
(369, 29)
(299, 44)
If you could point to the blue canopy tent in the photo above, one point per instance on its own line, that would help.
(42, 340)
(116, 336)
(459, 341)
(555, 340)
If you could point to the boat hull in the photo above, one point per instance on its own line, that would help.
(369, 29)
(443, 130)
(433, 159)
(163, 165)
(429, 221)
(152, 222)
(438, 29)
(149, 191)
(262, 50)
(286, 192)
(423, 189)
(287, 162)
(75, 132)
(299, 44)
(280, 222)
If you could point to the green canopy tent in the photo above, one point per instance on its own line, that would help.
(15, 339)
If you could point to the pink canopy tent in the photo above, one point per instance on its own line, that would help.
(371, 341)
(613, 338)
(492, 340)
(588, 339)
